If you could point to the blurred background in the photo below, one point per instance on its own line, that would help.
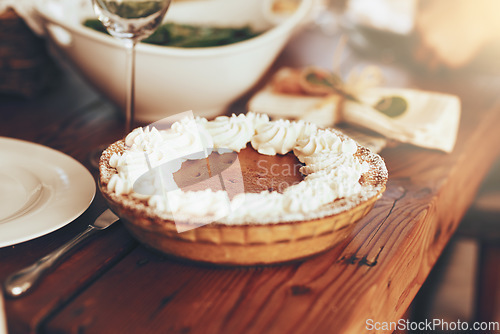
(443, 40)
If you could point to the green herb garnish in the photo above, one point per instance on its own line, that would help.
(392, 106)
(315, 79)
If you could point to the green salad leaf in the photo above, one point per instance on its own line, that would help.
(189, 36)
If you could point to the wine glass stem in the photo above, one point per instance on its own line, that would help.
(130, 80)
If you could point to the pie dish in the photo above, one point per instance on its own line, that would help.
(302, 189)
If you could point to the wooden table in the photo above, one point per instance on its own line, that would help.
(114, 285)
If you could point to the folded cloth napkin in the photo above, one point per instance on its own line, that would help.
(431, 119)
(425, 119)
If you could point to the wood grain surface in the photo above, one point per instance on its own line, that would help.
(114, 285)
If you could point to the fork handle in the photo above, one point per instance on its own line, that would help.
(23, 280)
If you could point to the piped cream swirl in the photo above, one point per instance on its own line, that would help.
(278, 137)
(323, 141)
(230, 132)
(148, 148)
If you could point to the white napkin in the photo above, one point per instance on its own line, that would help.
(294, 106)
(431, 120)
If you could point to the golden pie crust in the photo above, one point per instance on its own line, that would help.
(244, 244)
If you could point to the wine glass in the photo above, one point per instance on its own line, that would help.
(130, 21)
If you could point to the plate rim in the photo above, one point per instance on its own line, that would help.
(70, 166)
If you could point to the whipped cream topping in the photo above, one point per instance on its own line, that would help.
(209, 204)
(321, 141)
(331, 167)
(256, 119)
(280, 136)
(148, 148)
(234, 132)
(318, 162)
(275, 137)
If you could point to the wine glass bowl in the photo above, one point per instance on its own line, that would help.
(131, 19)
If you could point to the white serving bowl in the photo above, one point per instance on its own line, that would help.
(171, 80)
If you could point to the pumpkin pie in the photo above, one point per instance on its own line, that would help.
(240, 190)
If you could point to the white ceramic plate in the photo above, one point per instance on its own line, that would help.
(41, 190)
